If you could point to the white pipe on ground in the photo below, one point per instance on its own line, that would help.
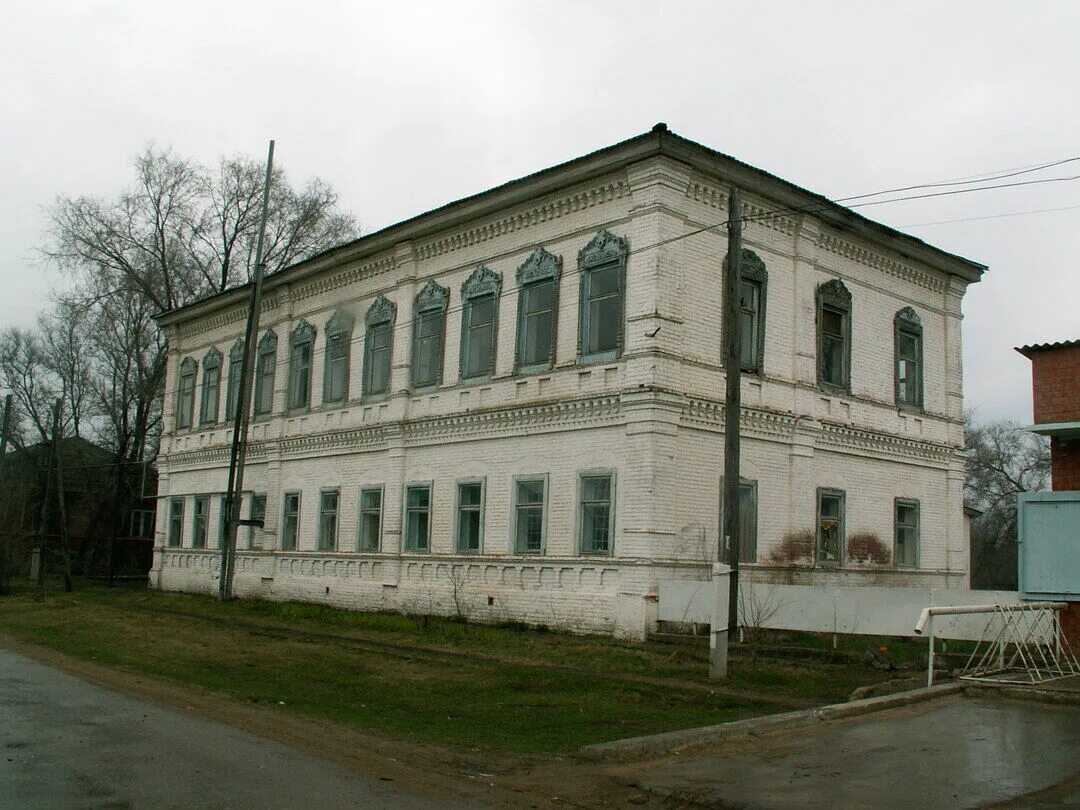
(924, 617)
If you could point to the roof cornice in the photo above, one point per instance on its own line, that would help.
(657, 142)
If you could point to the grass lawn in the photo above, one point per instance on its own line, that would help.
(472, 686)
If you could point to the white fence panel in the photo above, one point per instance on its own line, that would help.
(850, 610)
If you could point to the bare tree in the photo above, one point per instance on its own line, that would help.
(24, 373)
(1003, 461)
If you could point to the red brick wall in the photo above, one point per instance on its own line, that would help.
(1055, 380)
(1065, 465)
(1070, 625)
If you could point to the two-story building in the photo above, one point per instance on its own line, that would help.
(511, 407)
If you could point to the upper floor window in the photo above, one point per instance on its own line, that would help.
(185, 394)
(753, 282)
(596, 518)
(429, 321)
(538, 281)
(603, 264)
(909, 354)
(236, 370)
(479, 322)
(265, 365)
(830, 531)
(834, 335)
(302, 341)
(378, 343)
(336, 368)
(211, 387)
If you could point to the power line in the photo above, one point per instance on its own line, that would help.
(990, 216)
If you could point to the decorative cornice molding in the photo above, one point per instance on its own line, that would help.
(432, 296)
(847, 437)
(525, 218)
(382, 309)
(540, 266)
(342, 278)
(198, 327)
(753, 421)
(482, 281)
(714, 197)
(878, 261)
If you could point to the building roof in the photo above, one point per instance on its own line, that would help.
(659, 141)
(1036, 348)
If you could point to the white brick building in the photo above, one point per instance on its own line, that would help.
(562, 457)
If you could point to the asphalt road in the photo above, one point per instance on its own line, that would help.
(65, 743)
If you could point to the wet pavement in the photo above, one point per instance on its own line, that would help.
(66, 743)
(955, 752)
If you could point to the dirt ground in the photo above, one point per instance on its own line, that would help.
(505, 780)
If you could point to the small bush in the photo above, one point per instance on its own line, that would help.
(795, 548)
(865, 548)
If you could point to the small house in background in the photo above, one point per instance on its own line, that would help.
(1049, 522)
(108, 510)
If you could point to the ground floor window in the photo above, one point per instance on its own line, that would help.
(258, 512)
(529, 532)
(199, 516)
(176, 522)
(470, 516)
(328, 519)
(223, 520)
(290, 521)
(417, 517)
(830, 530)
(370, 518)
(748, 530)
(596, 512)
(907, 533)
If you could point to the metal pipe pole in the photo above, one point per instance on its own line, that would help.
(732, 401)
(43, 545)
(243, 401)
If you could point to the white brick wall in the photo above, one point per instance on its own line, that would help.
(654, 417)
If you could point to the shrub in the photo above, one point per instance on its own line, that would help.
(864, 548)
(795, 548)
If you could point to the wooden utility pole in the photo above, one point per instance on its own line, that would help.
(6, 426)
(243, 402)
(732, 404)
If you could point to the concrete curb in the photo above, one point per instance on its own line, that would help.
(1004, 691)
(654, 744)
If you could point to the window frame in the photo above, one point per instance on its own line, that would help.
(339, 327)
(515, 506)
(235, 377)
(320, 540)
(907, 322)
(302, 336)
(432, 299)
(835, 296)
(831, 492)
(914, 503)
(284, 518)
(429, 485)
(382, 312)
(211, 362)
(267, 348)
(481, 509)
(361, 511)
(752, 270)
(540, 268)
(175, 528)
(580, 512)
(200, 523)
(252, 515)
(752, 485)
(603, 252)
(185, 393)
(223, 520)
(483, 283)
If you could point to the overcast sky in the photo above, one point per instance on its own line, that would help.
(405, 106)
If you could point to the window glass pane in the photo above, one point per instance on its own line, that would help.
(830, 511)
(530, 528)
(748, 341)
(371, 499)
(830, 506)
(328, 505)
(469, 494)
(603, 281)
(428, 348)
(369, 531)
(595, 525)
(905, 514)
(595, 488)
(530, 492)
(478, 350)
(603, 324)
(264, 386)
(234, 390)
(290, 523)
(538, 297)
(482, 310)
(832, 361)
(909, 346)
(537, 339)
(258, 512)
(832, 322)
(199, 517)
(469, 530)
(301, 375)
(336, 366)
(419, 496)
